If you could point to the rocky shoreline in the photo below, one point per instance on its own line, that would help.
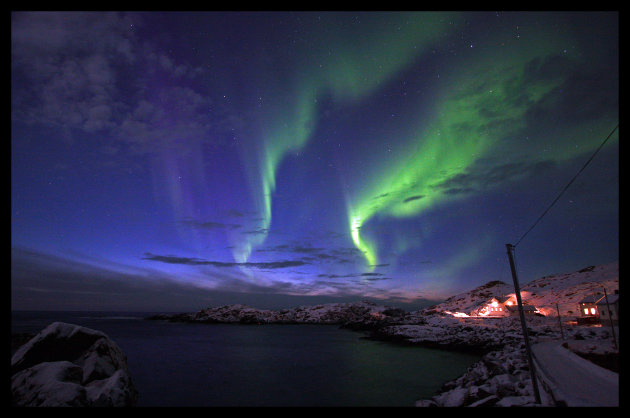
(500, 378)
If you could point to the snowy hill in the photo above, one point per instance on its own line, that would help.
(566, 290)
(466, 302)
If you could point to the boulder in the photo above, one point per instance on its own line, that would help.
(70, 365)
(49, 384)
(116, 390)
(516, 401)
(505, 384)
(452, 398)
(487, 401)
(425, 403)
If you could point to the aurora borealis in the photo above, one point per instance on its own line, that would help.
(179, 160)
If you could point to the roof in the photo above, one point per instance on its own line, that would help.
(592, 299)
(504, 299)
(611, 299)
(525, 307)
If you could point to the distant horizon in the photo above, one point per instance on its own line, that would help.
(394, 305)
(255, 301)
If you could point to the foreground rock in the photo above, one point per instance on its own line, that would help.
(70, 365)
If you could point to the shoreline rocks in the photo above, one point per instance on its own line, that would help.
(500, 378)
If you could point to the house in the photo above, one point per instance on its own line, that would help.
(509, 300)
(501, 307)
(491, 308)
(589, 313)
(610, 310)
(527, 309)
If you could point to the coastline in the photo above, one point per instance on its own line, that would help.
(501, 377)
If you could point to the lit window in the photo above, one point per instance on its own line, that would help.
(593, 311)
(585, 311)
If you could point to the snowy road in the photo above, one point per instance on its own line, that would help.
(573, 379)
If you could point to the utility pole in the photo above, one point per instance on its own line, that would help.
(560, 321)
(612, 326)
(517, 290)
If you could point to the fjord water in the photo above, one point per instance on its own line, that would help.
(179, 364)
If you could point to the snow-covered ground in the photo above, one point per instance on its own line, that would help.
(502, 378)
(574, 380)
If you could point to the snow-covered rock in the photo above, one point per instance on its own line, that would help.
(487, 401)
(488, 382)
(70, 365)
(331, 313)
(49, 384)
(454, 397)
(515, 401)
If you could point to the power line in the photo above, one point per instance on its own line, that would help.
(567, 186)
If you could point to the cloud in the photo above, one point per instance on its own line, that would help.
(198, 262)
(235, 213)
(376, 279)
(335, 276)
(261, 231)
(88, 72)
(285, 248)
(331, 255)
(64, 64)
(42, 281)
(587, 93)
(482, 176)
(411, 198)
(277, 248)
(209, 225)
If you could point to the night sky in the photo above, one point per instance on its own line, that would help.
(175, 161)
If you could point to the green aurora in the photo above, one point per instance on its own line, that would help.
(487, 99)
(489, 103)
(350, 66)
